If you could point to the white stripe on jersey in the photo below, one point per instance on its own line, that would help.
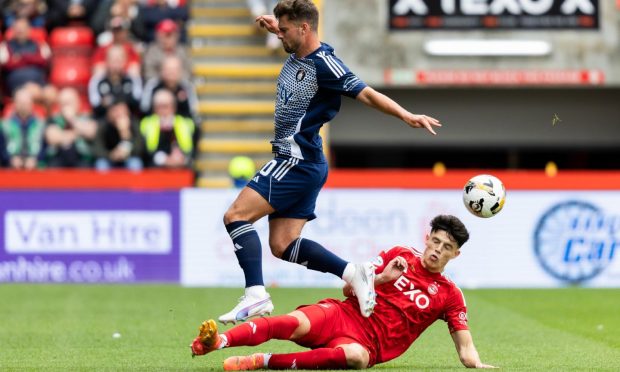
(335, 63)
(332, 64)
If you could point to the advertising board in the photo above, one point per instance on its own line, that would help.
(89, 236)
(540, 239)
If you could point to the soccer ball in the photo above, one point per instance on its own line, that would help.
(484, 195)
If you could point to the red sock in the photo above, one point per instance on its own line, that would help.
(314, 359)
(257, 331)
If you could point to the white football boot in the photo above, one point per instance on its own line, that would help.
(363, 284)
(248, 307)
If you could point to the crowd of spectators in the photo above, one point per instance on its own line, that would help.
(136, 106)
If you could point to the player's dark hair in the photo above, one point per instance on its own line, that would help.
(452, 226)
(298, 10)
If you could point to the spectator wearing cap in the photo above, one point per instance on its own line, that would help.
(170, 78)
(170, 139)
(69, 135)
(118, 143)
(166, 44)
(22, 59)
(31, 10)
(23, 133)
(159, 10)
(120, 37)
(114, 84)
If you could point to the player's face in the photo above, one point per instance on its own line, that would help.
(440, 248)
(291, 34)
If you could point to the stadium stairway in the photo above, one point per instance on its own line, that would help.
(235, 76)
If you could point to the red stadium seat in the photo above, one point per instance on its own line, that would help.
(72, 42)
(37, 34)
(79, 36)
(73, 72)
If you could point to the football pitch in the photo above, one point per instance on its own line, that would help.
(71, 327)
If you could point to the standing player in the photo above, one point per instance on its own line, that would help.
(411, 294)
(309, 91)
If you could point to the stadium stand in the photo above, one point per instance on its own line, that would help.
(235, 74)
(76, 55)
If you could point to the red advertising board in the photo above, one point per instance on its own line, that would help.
(494, 77)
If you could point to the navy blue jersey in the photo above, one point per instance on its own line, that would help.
(308, 96)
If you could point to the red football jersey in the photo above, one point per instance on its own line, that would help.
(408, 305)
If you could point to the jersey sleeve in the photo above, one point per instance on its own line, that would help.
(386, 256)
(332, 74)
(456, 311)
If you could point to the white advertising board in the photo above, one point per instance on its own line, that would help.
(540, 239)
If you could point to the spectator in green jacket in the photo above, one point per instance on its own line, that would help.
(69, 135)
(23, 133)
(170, 139)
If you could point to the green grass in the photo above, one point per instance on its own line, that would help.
(70, 327)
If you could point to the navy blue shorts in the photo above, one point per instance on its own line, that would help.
(291, 186)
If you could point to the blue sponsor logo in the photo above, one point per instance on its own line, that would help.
(575, 241)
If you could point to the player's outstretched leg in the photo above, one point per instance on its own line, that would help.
(323, 358)
(252, 333)
(256, 301)
(316, 257)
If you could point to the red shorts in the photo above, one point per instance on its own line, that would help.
(331, 325)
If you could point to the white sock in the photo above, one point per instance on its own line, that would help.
(223, 342)
(266, 358)
(256, 291)
(349, 273)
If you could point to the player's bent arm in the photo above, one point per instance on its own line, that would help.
(268, 22)
(467, 351)
(385, 104)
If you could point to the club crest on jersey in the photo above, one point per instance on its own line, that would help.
(432, 289)
(301, 74)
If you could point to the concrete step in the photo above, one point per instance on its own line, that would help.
(216, 3)
(236, 88)
(236, 108)
(222, 30)
(234, 146)
(214, 182)
(237, 126)
(238, 71)
(232, 51)
(221, 12)
(221, 164)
